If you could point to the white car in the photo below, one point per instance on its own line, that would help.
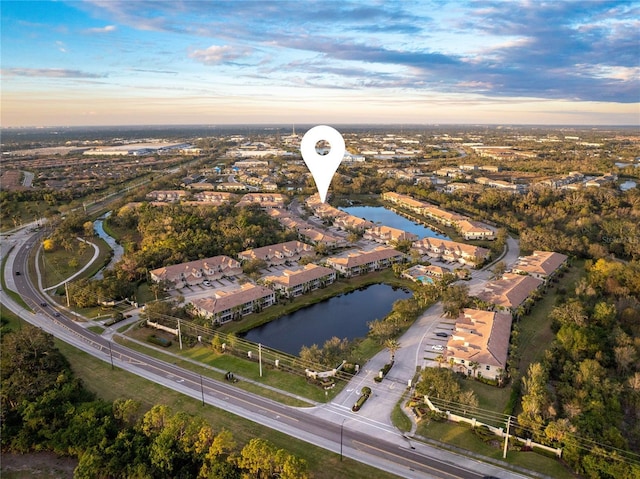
(437, 347)
(206, 282)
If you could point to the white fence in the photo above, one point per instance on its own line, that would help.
(498, 431)
(162, 327)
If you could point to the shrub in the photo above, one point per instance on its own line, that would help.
(484, 433)
(365, 393)
(384, 372)
(165, 343)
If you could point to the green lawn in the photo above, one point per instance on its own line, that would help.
(459, 436)
(58, 265)
(490, 397)
(244, 368)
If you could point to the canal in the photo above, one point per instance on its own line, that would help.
(118, 250)
(344, 316)
(383, 216)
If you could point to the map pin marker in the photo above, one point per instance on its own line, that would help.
(322, 167)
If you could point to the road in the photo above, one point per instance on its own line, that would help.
(332, 426)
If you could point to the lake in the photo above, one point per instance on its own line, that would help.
(344, 316)
(383, 216)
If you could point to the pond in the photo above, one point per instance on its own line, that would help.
(386, 217)
(344, 316)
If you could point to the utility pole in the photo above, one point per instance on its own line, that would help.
(111, 355)
(260, 357)
(506, 439)
(179, 335)
(341, 431)
(66, 290)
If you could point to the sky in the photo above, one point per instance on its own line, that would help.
(142, 62)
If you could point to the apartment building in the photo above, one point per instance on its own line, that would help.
(277, 254)
(541, 264)
(479, 344)
(453, 251)
(511, 291)
(226, 306)
(353, 263)
(388, 235)
(166, 196)
(295, 282)
(195, 272)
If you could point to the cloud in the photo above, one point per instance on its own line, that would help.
(48, 73)
(219, 54)
(552, 50)
(105, 29)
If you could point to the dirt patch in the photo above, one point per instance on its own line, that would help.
(42, 465)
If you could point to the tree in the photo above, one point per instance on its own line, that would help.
(49, 244)
(499, 269)
(443, 384)
(381, 330)
(536, 401)
(88, 228)
(392, 345)
(454, 299)
(258, 458)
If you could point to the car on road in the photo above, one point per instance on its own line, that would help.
(206, 282)
(17, 273)
(56, 314)
(437, 347)
(43, 304)
(441, 334)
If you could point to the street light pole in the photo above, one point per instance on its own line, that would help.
(341, 434)
(111, 354)
(202, 389)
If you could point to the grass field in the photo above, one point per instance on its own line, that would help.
(535, 328)
(457, 436)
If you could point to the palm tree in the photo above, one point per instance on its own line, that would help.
(440, 359)
(474, 365)
(392, 345)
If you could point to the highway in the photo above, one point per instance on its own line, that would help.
(332, 427)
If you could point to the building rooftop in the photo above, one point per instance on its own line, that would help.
(481, 336)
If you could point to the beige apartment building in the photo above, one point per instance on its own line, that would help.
(479, 344)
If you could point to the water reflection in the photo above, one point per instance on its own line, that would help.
(344, 316)
(378, 214)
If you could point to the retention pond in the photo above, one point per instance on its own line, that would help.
(344, 316)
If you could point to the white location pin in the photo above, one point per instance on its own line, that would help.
(322, 167)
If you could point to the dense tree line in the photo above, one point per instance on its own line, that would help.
(44, 407)
(585, 394)
(591, 222)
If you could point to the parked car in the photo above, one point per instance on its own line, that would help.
(206, 282)
(441, 334)
(437, 347)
